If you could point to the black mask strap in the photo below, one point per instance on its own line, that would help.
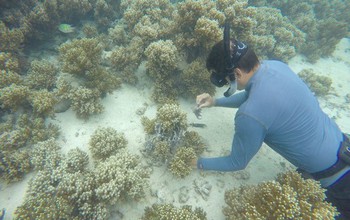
(227, 50)
(239, 50)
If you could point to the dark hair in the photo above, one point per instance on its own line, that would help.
(216, 59)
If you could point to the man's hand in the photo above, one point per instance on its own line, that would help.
(205, 100)
(194, 163)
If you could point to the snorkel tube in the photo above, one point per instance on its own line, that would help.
(229, 65)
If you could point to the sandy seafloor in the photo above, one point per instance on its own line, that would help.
(121, 113)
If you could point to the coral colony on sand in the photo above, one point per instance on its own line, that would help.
(172, 39)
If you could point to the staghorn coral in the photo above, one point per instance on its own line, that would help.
(120, 177)
(42, 75)
(180, 165)
(320, 85)
(105, 142)
(85, 102)
(80, 55)
(169, 211)
(289, 197)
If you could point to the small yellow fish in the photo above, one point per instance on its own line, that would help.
(66, 28)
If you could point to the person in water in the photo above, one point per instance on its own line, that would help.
(277, 108)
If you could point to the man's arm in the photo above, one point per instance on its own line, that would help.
(233, 101)
(248, 138)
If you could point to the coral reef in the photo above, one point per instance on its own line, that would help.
(14, 165)
(42, 75)
(80, 55)
(42, 102)
(169, 211)
(324, 23)
(46, 155)
(85, 102)
(289, 197)
(105, 142)
(275, 36)
(121, 177)
(320, 85)
(9, 77)
(65, 187)
(75, 161)
(17, 135)
(162, 64)
(180, 165)
(13, 96)
(195, 78)
(11, 39)
(169, 141)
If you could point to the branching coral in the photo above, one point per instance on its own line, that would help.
(86, 102)
(275, 36)
(13, 96)
(323, 22)
(10, 38)
(169, 211)
(80, 55)
(42, 75)
(42, 102)
(46, 155)
(103, 80)
(290, 197)
(121, 177)
(180, 165)
(196, 80)
(162, 65)
(14, 165)
(105, 142)
(9, 77)
(75, 161)
(169, 142)
(9, 62)
(320, 85)
(61, 189)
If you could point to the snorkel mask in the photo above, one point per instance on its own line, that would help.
(231, 61)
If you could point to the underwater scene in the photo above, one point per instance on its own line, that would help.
(98, 116)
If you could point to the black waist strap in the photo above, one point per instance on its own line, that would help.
(335, 168)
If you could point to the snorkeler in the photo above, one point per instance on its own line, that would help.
(276, 107)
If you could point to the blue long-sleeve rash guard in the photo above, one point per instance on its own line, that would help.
(279, 109)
